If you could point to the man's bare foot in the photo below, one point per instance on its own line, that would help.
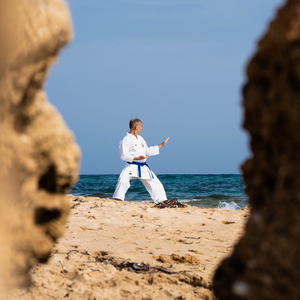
(118, 199)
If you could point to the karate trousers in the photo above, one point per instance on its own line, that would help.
(153, 186)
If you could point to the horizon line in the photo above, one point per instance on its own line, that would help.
(177, 174)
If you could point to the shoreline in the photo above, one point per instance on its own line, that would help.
(128, 250)
(195, 202)
(197, 190)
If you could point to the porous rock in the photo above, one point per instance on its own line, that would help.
(38, 156)
(265, 263)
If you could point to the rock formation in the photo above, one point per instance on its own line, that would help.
(266, 262)
(38, 157)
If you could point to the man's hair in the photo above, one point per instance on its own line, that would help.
(134, 122)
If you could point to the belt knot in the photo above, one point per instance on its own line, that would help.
(140, 164)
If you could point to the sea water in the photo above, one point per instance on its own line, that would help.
(209, 191)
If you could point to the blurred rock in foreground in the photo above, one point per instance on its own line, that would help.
(38, 157)
(265, 263)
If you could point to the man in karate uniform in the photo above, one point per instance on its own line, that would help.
(134, 150)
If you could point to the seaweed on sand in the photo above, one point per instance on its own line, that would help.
(171, 203)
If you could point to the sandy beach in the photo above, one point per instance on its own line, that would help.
(127, 250)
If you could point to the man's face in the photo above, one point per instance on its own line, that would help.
(139, 127)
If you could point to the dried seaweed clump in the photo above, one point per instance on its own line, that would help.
(171, 203)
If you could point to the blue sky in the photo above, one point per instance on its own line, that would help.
(176, 64)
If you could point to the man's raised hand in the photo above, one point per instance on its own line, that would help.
(163, 143)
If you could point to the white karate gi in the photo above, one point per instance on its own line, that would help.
(131, 147)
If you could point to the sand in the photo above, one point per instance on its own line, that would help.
(127, 250)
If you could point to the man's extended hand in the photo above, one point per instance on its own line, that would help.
(163, 143)
(140, 157)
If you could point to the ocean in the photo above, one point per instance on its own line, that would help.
(209, 191)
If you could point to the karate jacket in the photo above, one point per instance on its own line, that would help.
(131, 147)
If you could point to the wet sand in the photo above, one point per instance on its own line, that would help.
(127, 250)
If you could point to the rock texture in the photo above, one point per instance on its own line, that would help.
(265, 263)
(38, 157)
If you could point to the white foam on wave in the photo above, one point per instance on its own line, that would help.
(225, 205)
(185, 200)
